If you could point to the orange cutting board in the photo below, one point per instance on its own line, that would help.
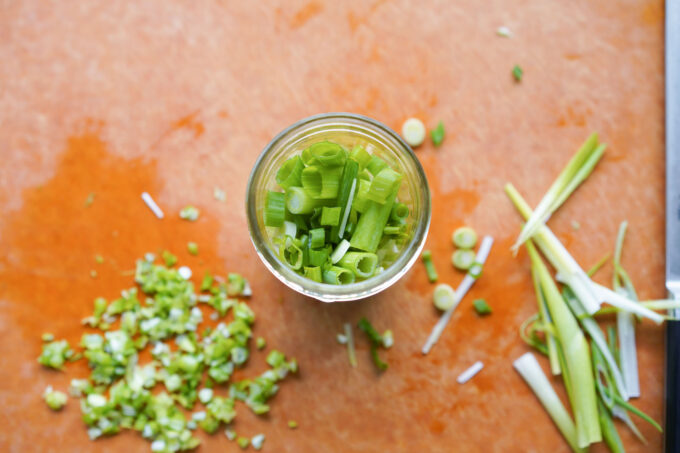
(176, 98)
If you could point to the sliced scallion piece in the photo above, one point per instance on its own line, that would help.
(146, 198)
(444, 297)
(438, 134)
(351, 353)
(376, 165)
(361, 201)
(328, 154)
(55, 353)
(369, 229)
(318, 257)
(321, 182)
(54, 399)
(190, 213)
(169, 259)
(625, 321)
(289, 173)
(361, 264)
(399, 213)
(387, 339)
(376, 341)
(347, 212)
(464, 238)
(360, 155)
(463, 259)
(517, 73)
(299, 201)
(291, 254)
(413, 131)
(527, 366)
(432, 275)
(330, 216)
(289, 229)
(338, 276)
(219, 194)
(275, 209)
(313, 273)
(392, 230)
(383, 185)
(470, 372)
(257, 441)
(340, 251)
(307, 157)
(317, 238)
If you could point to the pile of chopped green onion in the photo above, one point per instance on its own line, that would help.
(599, 375)
(190, 365)
(338, 219)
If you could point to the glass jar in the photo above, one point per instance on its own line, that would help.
(346, 129)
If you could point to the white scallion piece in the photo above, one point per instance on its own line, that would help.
(628, 353)
(350, 345)
(257, 441)
(470, 372)
(342, 339)
(158, 445)
(152, 205)
(340, 251)
(205, 395)
(625, 322)
(219, 194)
(504, 32)
(388, 339)
(464, 287)
(247, 290)
(185, 272)
(413, 131)
(527, 366)
(444, 297)
(289, 229)
(348, 208)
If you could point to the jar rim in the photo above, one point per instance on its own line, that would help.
(358, 290)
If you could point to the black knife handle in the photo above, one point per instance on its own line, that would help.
(672, 402)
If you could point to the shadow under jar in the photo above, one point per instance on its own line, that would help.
(347, 130)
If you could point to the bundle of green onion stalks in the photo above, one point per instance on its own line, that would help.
(599, 370)
(338, 218)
